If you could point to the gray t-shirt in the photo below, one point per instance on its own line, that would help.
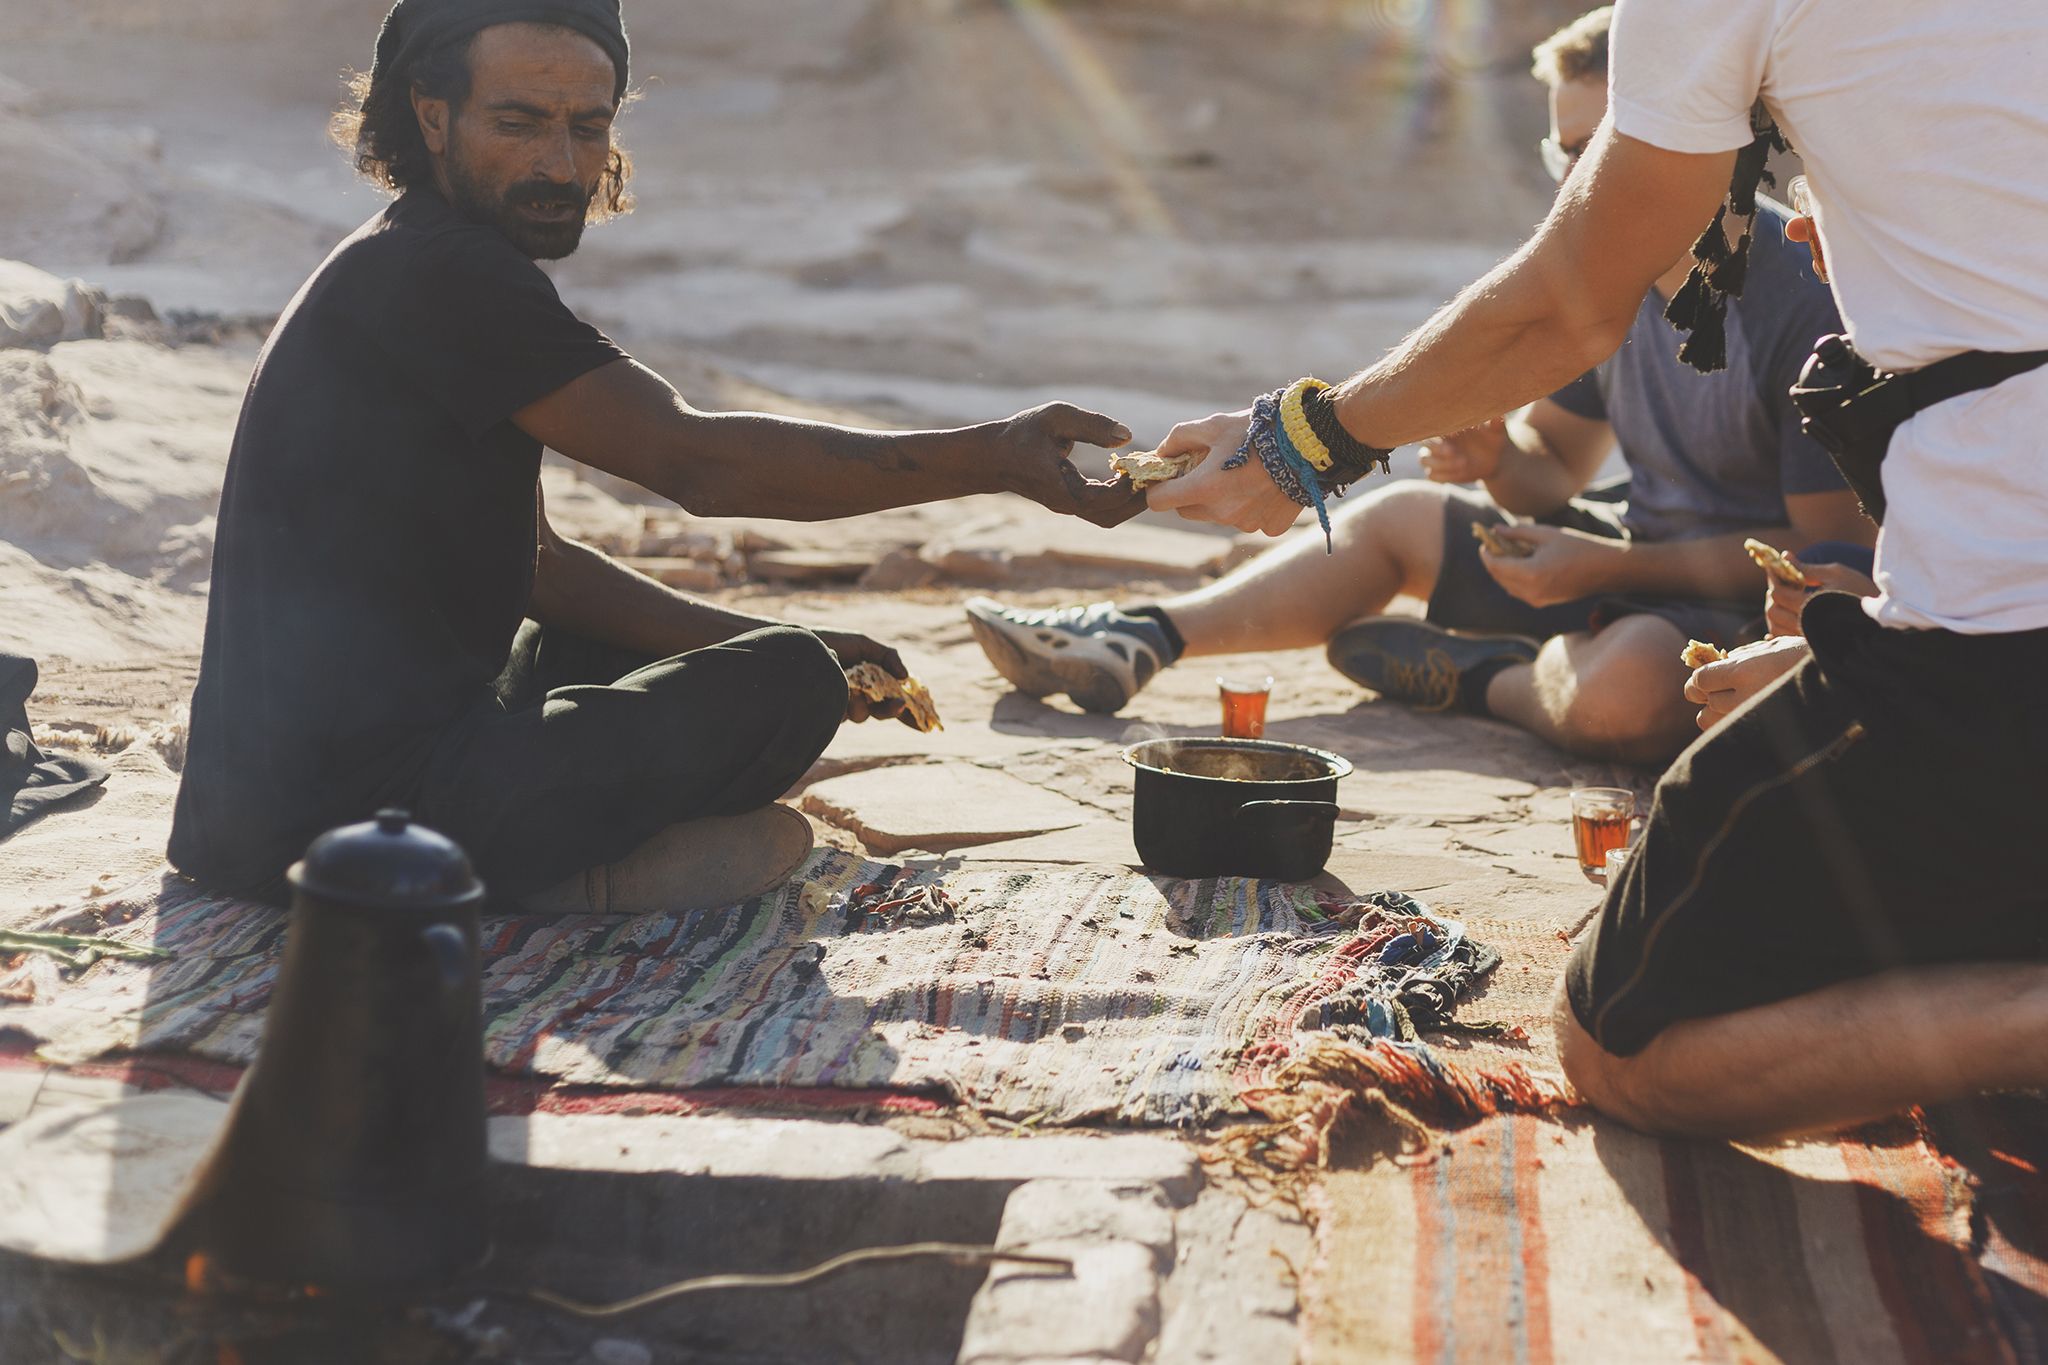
(1712, 453)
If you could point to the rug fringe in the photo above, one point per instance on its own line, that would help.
(1335, 1088)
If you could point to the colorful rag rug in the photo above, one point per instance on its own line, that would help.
(1027, 991)
(1519, 1239)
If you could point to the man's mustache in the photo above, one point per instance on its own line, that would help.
(542, 194)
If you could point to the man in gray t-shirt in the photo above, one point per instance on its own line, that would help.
(1579, 638)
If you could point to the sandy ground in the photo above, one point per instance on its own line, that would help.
(890, 211)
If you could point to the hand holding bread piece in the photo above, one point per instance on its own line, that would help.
(1698, 654)
(1147, 467)
(878, 684)
(1776, 563)
(1497, 544)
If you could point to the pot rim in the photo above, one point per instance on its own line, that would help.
(1340, 766)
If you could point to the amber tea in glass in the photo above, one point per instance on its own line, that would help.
(1244, 706)
(1601, 817)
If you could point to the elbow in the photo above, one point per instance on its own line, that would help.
(1590, 334)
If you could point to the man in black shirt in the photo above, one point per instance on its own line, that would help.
(392, 620)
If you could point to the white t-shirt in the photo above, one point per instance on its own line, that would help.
(1923, 126)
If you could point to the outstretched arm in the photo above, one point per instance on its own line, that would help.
(1553, 310)
(1546, 315)
(626, 420)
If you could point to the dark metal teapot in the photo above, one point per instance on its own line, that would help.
(354, 1158)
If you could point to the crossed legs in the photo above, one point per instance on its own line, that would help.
(1615, 694)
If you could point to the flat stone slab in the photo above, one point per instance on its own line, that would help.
(939, 806)
(1025, 542)
(747, 1147)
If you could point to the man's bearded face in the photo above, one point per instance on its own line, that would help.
(526, 151)
(544, 218)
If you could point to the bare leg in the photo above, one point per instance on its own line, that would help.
(1619, 694)
(1295, 596)
(1846, 1053)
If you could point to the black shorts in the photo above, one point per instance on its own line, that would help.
(1879, 807)
(1468, 598)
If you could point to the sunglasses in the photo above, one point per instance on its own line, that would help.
(1558, 159)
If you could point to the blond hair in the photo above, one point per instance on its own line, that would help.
(1575, 52)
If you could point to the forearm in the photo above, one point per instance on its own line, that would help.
(756, 464)
(1515, 336)
(1711, 566)
(1531, 480)
(583, 590)
(1553, 310)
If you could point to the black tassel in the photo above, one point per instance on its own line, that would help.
(1700, 307)
(1712, 245)
(1729, 276)
(1686, 303)
(1706, 350)
(1749, 170)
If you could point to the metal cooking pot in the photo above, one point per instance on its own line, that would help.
(1234, 807)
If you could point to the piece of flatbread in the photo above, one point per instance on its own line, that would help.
(1497, 545)
(1698, 654)
(1775, 562)
(1147, 467)
(877, 683)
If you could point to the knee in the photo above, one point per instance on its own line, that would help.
(1395, 505)
(1629, 704)
(793, 666)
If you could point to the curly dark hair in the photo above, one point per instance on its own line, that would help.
(379, 130)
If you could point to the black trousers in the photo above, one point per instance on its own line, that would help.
(1882, 806)
(587, 750)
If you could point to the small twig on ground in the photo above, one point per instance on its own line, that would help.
(76, 951)
(961, 1253)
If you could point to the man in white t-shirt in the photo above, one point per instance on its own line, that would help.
(1864, 837)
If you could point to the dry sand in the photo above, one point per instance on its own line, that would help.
(896, 211)
(900, 212)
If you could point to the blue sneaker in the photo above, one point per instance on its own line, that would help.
(1421, 664)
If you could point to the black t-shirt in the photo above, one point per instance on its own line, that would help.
(376, 541)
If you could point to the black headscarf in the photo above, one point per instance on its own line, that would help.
(1700, 307)
(416, 26)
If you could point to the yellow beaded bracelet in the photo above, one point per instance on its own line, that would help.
(1295, 423)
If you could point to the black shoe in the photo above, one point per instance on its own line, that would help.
(1423, 665)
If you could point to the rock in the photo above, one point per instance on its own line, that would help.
(899, 569)
(94, 204)
(38, 309)
(1107, 1307)
(1101, 840)
(938, 806)
(1027, 541)
(807, 566)
(1091, 1211)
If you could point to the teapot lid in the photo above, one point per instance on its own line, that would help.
(388, 863)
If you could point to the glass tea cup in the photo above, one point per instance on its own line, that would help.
(1601, 817)
(1244, 705)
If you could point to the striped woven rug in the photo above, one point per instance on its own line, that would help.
(1034, 991)
(1519, 1239)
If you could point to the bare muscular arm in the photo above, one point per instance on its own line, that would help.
(1556, 308)
(1553, 310)
(625, 419)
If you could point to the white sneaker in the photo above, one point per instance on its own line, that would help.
(1097, 655)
